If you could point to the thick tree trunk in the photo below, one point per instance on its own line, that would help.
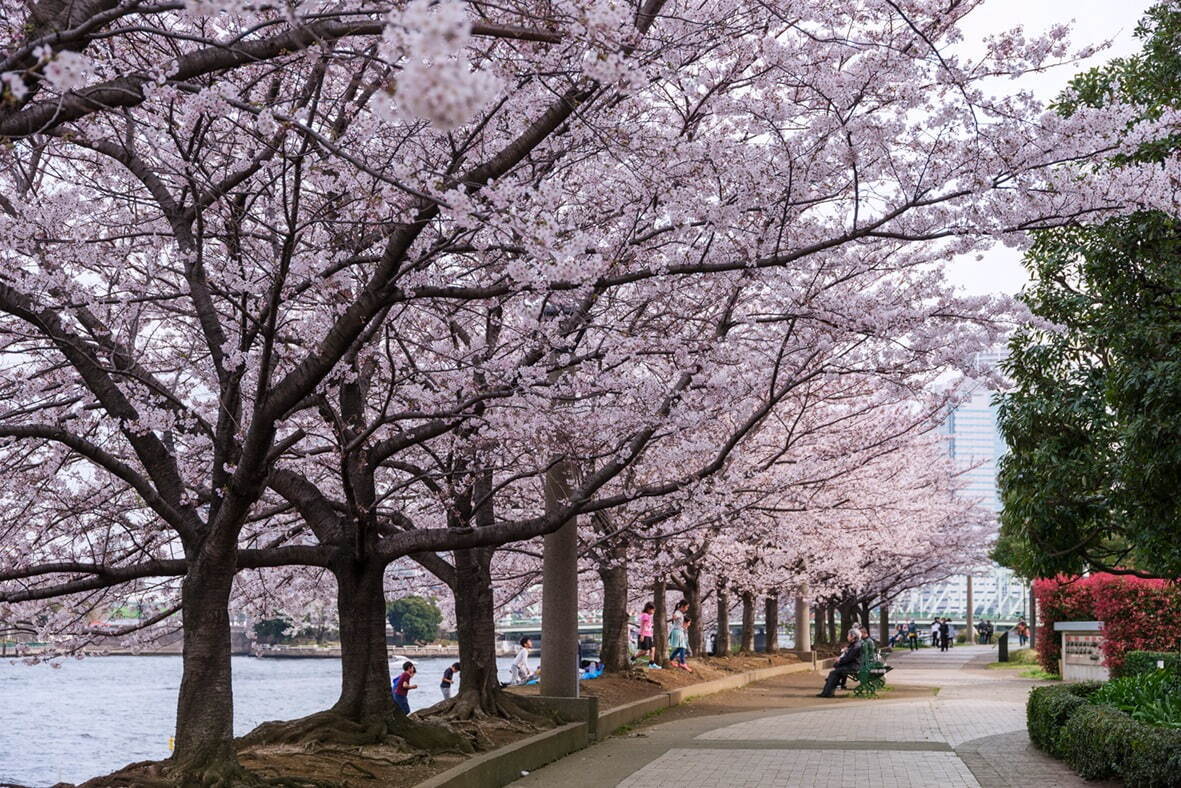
(205, 704)
(863, 609)
(832, 624)
(474, 624)
(748, 622)
(614, 654)
(848, 619)
(884, 616)
(693, 596)
(364, 661)
(771, 616)
(722, 643)
(821, 625)
(660, 624)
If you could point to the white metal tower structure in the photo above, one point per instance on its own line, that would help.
(975, 443)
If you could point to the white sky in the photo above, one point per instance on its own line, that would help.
(1095, 21)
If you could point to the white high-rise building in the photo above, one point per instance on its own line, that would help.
(975, 443)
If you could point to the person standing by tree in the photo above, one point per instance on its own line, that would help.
(680, 654)
(678, 642)
(448, 680)
(1022, 632)
(912, 635)
(644, 642)
(402, 686)
(522, 671)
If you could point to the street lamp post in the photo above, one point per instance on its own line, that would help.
(971, 633)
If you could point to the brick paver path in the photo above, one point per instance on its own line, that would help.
(971, 735)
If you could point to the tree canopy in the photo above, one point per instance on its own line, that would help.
(1093, 421)
(290, 294)
(416, 618)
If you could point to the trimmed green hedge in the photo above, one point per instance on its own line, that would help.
(1136, 662)
(1102, 742)
(1094, 741)
(1049, 708)
(1153, 759)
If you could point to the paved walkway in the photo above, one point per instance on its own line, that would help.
(971, 734)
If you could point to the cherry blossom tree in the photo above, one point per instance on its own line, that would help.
(208, 211)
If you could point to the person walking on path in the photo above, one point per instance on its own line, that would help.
(521, 671)
(944, 634)
(678, 641)
(1022, 632)
(448, 680)
(847, 664)
(912, 635)
(644, 643)
(402, 686)
(935, 640)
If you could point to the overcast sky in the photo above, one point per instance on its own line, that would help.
(1095, 21)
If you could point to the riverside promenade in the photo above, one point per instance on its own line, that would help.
(960, 724)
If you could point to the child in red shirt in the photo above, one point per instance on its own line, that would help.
(402, 686)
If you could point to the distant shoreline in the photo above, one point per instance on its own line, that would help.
(272, 652)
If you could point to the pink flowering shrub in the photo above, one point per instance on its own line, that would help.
(1138, 614)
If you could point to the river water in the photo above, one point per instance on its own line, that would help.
(92, 716)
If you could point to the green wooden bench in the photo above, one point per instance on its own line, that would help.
(871, 677)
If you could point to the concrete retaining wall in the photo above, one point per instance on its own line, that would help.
(505, 764)
(502, 766)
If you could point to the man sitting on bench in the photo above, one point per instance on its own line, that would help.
(847, 664)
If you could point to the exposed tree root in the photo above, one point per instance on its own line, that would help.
(330, 728)
(633, 673)
(500, 705)
(354, 749)
(170, 774)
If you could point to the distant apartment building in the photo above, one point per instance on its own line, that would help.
(975, 444)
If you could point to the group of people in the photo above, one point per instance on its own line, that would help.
(404, 683)
(906, 633)
(678, 635)
(942, 634)
(859, 649)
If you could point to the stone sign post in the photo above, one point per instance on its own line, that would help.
(1082, 651)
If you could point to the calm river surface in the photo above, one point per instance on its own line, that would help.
(92, 716)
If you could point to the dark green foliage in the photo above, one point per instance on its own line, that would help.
(1048, 710)
(1153, 759)
(416, 618)
(1093, 420)
(272, 630)
(1094, 741)
(1100, 741)
(1145, 662)
(1153, 698)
